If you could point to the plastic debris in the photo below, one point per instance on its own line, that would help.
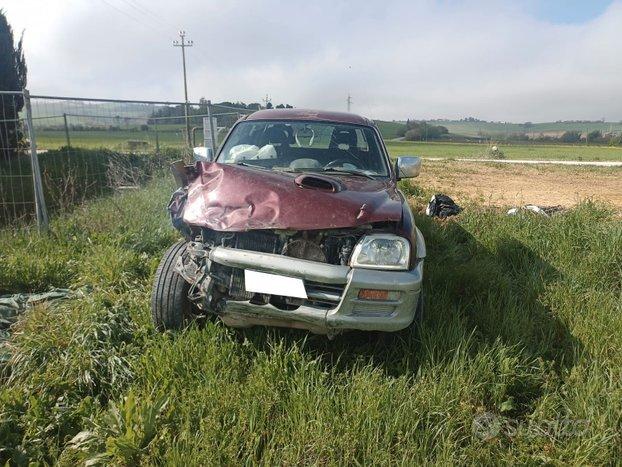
(546, 211)
(442, 206)
(11, 306)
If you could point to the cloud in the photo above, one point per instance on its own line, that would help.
(398, 59)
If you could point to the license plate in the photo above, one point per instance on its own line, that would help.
(273, 284)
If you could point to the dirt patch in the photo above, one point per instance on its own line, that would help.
(503, 185)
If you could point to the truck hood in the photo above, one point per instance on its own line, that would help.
(228, 197)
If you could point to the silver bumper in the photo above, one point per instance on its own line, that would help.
(349, 311)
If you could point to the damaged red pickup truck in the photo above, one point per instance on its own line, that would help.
(297, 222)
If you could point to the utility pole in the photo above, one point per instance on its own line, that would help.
(349, 101)
(267, 101)
(183, 44)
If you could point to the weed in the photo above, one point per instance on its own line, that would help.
(523, 321)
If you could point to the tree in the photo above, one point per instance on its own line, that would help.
(420, 131)
(12, 78)
(594, 136)
(571, 136)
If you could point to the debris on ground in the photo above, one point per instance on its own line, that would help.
(495, 153)
(11, 306)
(546, 211)
(442, 206)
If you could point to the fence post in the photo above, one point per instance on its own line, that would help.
(42, 213)
(211, 127)
(157, 137)
(66, 130)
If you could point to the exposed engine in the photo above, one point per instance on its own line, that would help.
(212, 283)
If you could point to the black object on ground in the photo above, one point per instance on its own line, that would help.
(442, 206)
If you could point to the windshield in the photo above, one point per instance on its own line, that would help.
(305, 146)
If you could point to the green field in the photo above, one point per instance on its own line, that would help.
(172, 136)
(388, 130)
(523, 326)
(167, 135)
(499, 129)
(514, 151)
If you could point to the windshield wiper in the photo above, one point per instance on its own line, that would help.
(359, 172)
(246, 164)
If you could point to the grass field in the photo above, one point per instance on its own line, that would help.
(170, 136)
(523, 326)
(514, 151)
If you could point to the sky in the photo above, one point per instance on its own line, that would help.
(504, 60)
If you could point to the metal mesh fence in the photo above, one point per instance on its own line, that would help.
(16, 182)
(92, 147)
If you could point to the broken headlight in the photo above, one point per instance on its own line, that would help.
(381, 251)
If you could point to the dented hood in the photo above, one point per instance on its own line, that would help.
(236, 198)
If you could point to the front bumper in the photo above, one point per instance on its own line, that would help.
(349, 311)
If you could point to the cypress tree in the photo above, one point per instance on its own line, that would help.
(12, 78)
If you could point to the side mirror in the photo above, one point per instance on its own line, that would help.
(407, 167)
(203, 154)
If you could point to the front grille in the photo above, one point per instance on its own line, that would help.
(263, 242)
(335, 248)
(319, 295)
(323, 295)
(374, 309)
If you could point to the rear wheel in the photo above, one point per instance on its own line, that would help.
(170, 306)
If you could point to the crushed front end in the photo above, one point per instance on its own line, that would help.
(274, 248)
(336, 295)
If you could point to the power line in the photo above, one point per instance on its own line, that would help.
(144, 11)
(129, 15)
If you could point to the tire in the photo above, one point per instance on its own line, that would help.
(170, 306)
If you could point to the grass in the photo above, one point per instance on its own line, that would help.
(523, 321)
(72, 175)
(168, 135)
(171, 135)
(513, 151)
(388, 130)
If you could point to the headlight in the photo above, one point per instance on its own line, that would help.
(381, 251)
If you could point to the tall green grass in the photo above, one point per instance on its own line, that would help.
(523, 321)
(71, 175)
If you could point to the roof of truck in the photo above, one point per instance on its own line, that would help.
(310, 115)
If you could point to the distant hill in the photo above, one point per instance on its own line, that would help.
(389, 130)
(476, 129)
(499, 129)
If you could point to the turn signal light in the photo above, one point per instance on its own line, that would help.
(373, 294)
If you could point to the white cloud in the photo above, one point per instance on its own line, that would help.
(398, 59)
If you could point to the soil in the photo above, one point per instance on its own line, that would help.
(514, 185)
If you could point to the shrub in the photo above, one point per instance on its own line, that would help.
(595, 136)
(418, 131)
(571, 136)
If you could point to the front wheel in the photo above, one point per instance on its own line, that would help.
(170, 306)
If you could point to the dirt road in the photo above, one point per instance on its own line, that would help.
(502, 184)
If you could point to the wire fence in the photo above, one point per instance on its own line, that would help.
(87, 147)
